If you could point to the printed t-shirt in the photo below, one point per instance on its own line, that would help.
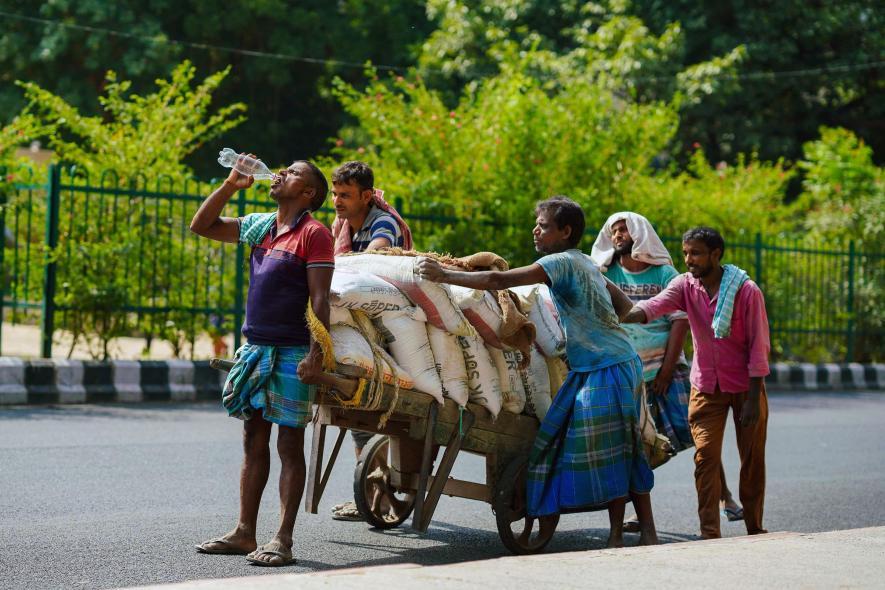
(650, 340)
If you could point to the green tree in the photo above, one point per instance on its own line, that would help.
(292, 112)
(843, 191)
(811, 41)
(512, 141)
(149, 135)
(132, 250)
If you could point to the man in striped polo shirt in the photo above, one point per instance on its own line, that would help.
(364, 222)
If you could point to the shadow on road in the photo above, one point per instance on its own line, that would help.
(398, 544)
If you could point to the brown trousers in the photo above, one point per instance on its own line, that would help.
(707, 414)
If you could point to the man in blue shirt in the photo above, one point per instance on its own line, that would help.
(588, 451)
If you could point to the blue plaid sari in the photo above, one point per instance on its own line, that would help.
(670, 411)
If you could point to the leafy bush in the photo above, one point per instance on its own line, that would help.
(130, 249)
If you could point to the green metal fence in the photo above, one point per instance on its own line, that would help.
(103, 257)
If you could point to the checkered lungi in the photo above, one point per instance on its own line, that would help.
(670, 411)
(588, 450)
(264, 377)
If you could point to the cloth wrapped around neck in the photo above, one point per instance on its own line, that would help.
(732, 279)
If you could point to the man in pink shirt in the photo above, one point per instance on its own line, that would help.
(729, 328)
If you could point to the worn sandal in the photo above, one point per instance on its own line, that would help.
(631, 525)
(733, 515)
(276, 549)
(227, 547)
(347, 511)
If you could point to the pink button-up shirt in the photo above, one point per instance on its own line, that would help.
(728, 362)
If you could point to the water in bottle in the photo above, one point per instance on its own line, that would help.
(246, 165)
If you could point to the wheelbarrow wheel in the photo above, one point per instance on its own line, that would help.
(382, 505)
(520, 533)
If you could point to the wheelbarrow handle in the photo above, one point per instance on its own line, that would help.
(221, 364)
(346, 387)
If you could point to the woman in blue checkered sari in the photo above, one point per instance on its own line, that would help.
(588, 452)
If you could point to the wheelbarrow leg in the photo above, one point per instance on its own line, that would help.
(426, 460)
(428, 506)
(316, 477)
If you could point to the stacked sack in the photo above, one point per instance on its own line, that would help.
(445, 340)
(548, 353)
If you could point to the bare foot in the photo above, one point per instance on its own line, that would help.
(615, 541)
(648, 537)
(236, 542)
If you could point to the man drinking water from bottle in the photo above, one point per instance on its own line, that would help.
(291, 264)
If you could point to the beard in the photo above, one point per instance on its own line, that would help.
(625, 249)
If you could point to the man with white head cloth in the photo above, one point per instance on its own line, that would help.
(633, 257)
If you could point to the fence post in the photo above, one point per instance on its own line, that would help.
(52, 205)
(241, 278)
(758, 260)
(3, 201)
(849, 352)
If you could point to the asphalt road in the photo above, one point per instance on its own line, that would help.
(108, 496)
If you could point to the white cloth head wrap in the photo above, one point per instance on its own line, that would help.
(647, 246)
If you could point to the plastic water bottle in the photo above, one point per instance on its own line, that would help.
(246, 165)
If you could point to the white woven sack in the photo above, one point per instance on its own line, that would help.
(406, 338)
(353, 289)
(482, 311)
(449, 364)
(538, 304)
(434, 298)
(537, 386)
(340, 316)
(352, 349)
(558, 372)
(482, 376)
(512, 390)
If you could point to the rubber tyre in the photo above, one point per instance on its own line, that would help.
(509, 506)
(372, 491)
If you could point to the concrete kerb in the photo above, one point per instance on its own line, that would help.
(12, 381)
(181, 381)
(69, 382)
(57, 381)
(127, 381)
(823, 377)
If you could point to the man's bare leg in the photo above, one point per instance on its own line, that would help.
(290, 446)
(616, 522)
(253, 478)
(648, 535)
